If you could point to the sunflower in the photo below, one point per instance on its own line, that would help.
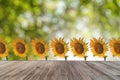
(3, 49)
(39, 47)
(115, 47)
(20, 48)
(59, 47)
(98, 47)
(78, 47)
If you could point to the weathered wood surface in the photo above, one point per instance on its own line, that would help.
(59, 70)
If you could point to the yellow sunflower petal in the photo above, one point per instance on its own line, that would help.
(20, 48)
(59, 47)
(78, 47)
(3, 48)
(98, 47)
(115, 46)
(40, 48)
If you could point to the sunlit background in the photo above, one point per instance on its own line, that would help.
(48, 19)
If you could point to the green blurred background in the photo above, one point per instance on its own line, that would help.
(47, 19)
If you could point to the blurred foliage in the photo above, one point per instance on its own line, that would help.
(43, 18)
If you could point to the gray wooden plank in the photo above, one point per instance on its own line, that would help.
(103, 71)
(93, 73)
(59, 70)
(110, 69)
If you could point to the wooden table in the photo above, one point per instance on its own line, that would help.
(59, 70)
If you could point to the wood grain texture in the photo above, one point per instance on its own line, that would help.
(59, 70)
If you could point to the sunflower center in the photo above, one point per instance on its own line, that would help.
(40, 48)
(59, 48)
(98, 48)
(79, 48)
(117, 47)
(20, 47)
(2, 48)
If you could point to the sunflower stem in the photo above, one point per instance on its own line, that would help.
(105, 57)
(7, 58)
(46, 57)
(85, 57)
(66, 58)
(26, 58)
